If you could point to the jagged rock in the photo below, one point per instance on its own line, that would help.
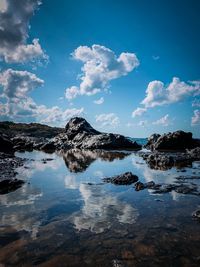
(80, 134)
(48, 147)
(152, 140)
(178, 140)
(126, 178)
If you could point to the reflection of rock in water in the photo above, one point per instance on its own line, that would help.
(101, 211)
(78, 160)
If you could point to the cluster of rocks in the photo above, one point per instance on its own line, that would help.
(78, 133)
(129, 178)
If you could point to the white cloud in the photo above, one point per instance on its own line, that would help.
(14, 25)
(101, 65)
(196, 118)
(99, 101)
(157, 94)
(138, 112)
(109, 119)
(196, 103)
(16, 84)
(71, 92)
(19, 106)
(164, 121)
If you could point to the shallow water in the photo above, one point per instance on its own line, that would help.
(65, 216)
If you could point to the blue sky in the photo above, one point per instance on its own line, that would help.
(97, 58)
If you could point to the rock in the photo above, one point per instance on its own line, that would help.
(80, 134)
(126, 178)
(5, 144)
(152, 140)
(196, 214)
(178, 140)
(149, 185)
(7, 186)
(48, 147)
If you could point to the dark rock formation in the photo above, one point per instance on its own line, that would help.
(126, 178)
(80, 134)
(5, 144)
(178, 141)
(149, 185)
(196, 214)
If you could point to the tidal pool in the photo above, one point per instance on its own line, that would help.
(64, 215)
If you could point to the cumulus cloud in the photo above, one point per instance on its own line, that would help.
(196, 103)
(18, 105)
(157, 94)
(14, 24)
(99, 101)
(196, 118)
(109, 119)
(164, 121)
(100, 66)
(138, 112)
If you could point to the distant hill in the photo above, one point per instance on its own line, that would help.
(29, 129)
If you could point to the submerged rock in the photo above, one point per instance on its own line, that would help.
(126, 178)
(196, 214)
(80, 134)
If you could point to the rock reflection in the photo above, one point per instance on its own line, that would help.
(101, 211)
(78, 160)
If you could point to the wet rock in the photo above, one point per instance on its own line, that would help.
(149, 185)
(80, 134)
(178, 140)
(126, 178)
(185, 189)
(7, 186)
(48, 147)
(196, 214)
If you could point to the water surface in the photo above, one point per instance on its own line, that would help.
(65, 216)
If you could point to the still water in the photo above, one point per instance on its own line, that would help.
(64, 215)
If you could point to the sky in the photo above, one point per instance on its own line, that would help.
(127, 66)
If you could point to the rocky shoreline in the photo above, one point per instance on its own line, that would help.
(178, 149)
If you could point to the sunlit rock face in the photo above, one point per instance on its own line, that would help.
(78, 160)
(80, 134)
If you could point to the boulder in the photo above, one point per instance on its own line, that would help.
(126, 178)
(176, 141)
(80, 134)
